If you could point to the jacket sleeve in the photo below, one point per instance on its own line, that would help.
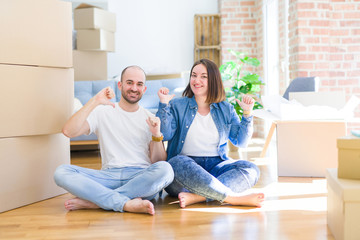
(240, 131)
(168, 122)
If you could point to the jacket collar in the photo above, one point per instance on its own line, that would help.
(193, 104)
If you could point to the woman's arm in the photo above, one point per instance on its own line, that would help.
(168, 123)
(241, 132)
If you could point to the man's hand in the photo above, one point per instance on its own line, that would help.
(103, 97)
(164, 96)
(247, 103)
(154, 125)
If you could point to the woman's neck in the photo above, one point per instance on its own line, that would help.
(203, 107)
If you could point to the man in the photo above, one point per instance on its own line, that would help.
(134, 169)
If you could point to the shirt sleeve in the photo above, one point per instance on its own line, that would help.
(92, 120)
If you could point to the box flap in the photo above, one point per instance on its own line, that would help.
(346, 189)
(85, 5)
(333, 99)
(348, 142)
(279, 108)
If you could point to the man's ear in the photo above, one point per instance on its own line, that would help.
(119, 84)
(144, 89)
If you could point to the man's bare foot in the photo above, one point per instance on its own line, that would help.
(252, 199)
(186, 198)
(78, 203)
(137, 205)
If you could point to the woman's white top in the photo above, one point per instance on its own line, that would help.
(202, 138)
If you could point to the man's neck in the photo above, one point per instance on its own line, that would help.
(128, 107)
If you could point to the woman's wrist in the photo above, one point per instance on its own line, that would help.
(247, 112)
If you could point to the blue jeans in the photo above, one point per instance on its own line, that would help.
(110, 189)
(211, 177)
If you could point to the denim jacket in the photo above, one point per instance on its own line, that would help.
(177, 116)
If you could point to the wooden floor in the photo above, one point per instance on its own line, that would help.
(295, 208)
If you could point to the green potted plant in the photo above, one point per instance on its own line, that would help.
(238, 81)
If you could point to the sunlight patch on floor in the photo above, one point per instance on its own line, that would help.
(281, 197)
(314, 204)
(278, 189)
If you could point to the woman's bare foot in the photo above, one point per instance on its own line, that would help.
(252, 199)
(78, 203)
(137, 205)
(186, 198)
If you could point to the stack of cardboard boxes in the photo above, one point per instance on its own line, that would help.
(36, 98)
(95, 37)
(344, 190)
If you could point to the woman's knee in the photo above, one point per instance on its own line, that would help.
(253, 173)
(179, 162)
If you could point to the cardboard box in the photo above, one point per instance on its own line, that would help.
(343, 204)
(306, 134)
(95, 40)
(307, 148)
(90, 65)
(27, 168)
(349, 157)
(90, 17)
(34, 100)
(37, 33)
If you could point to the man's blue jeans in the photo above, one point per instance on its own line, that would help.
(211, 177)
(110, 189)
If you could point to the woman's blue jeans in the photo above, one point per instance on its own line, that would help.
(211, 177)
(110, 189)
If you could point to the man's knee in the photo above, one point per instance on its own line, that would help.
(165, 170)
(60, 173)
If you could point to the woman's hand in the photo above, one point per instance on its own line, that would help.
(164, 96)
(247, 104)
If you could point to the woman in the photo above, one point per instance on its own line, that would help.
(198, 127)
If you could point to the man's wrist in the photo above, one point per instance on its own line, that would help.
(157, 137)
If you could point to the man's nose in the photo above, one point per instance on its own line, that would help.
(133, 87)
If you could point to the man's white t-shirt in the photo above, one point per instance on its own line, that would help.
(124, 137)
(202, 139)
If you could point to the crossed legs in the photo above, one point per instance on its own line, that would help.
(199, 179)
(122, 189)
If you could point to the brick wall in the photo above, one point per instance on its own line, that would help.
(324, 41)
(241, 30)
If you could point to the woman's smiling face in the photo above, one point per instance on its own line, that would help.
(199, 80)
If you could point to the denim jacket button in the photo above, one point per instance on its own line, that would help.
(182, 141)
(187, 126)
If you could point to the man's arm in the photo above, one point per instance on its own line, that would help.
(157, 150)
(77, 124)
